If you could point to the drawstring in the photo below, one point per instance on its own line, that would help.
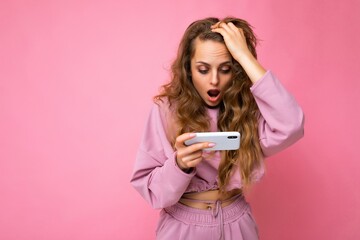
(217, 211)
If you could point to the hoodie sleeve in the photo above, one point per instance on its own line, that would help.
(156, 175)
(281, 123)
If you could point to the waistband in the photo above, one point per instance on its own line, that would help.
(217, 216)
(203, 217)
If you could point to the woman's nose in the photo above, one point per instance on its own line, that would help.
(214, 78)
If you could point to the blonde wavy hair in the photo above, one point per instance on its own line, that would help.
(237, 112)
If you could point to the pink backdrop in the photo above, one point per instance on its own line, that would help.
(76, 82)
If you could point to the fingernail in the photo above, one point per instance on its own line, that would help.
(191, 134)
(211, 144)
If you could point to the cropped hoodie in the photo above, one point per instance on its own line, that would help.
(161, 182)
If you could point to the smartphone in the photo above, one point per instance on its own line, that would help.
(222, 140)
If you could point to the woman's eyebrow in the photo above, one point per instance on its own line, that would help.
(207, 64)
(225, 63)
(201, 62)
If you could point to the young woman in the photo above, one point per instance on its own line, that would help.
(217, 84)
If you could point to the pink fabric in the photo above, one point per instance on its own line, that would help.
(160, 181)
(235, 221)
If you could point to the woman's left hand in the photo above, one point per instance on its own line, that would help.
(235, 42)
(234, 38)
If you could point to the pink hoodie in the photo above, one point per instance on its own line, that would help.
(160, 181)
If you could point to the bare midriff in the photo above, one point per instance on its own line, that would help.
(207, 199)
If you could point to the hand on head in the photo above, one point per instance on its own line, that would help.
(234, 38)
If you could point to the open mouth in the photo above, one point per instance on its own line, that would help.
(214, 96)
(213, 93)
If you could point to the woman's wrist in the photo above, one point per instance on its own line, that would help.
(251, 66)
(184, 168)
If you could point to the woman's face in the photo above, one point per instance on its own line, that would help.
(211, 70)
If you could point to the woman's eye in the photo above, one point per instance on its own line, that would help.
(225, 70)
(203, 71)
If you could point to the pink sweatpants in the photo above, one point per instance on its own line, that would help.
(234, 221)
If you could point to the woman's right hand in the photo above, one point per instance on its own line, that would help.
(189, 156)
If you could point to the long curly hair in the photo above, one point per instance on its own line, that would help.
(237, 112)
